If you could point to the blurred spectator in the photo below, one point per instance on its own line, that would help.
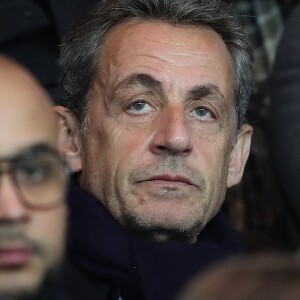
(264, 277)
(33, 183)
(31, 31)
(284, 132)
(264, 23)
(251, 205)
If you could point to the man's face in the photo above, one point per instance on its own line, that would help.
(31, 241)
(161, 127)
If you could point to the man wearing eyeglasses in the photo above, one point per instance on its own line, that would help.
(33, 180)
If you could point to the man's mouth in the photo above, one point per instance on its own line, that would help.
(169, 180)
(14, 256)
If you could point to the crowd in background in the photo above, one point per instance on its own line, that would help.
(260, 205)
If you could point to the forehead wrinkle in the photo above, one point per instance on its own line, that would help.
(176, 44)
(181, 52)
(178, 55)
(190, 54)
(167, 43)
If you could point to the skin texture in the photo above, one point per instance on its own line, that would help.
(159, 147)
(26, 119)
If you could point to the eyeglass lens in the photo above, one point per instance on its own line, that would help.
(41, 179)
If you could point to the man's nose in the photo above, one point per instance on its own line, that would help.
(173, 134)
(11, 206)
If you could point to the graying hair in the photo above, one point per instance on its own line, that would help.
(81, 48)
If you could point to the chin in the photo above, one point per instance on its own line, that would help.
(23, 282)
(19, 286)
(165, 227)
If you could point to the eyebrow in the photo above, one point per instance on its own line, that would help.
(140, 79)
(207, 90)
(40, 147)
(199, 92)
(33, 150)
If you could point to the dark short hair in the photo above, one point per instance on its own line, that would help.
(81, 48)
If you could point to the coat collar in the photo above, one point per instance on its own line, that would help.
(141, 268)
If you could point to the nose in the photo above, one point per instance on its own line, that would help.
(11, 206)
(173, 135)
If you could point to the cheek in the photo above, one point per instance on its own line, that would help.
(213, 154)
(97, 148)
(209, 149)
(129, 152)
(122, 143)
(110, 151)
(49, 230)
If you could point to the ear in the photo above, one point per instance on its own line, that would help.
(69, 137)
(239, 155)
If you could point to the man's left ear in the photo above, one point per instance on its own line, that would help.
(69, 138)
(239, 155)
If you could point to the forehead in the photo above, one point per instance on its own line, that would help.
(180, 55)
(26, 116)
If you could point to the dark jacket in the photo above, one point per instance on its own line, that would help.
(110, 258)
(31, 31)
(49, 290)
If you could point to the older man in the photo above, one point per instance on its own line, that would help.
(153, 119)
(32, 188)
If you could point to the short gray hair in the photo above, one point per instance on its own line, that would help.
(81, 47)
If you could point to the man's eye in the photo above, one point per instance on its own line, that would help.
(203, 114)
(139, 108)
(32, 173)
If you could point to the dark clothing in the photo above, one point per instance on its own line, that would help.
(50, 294)
(104, 252)
(48, 291)
(31, 30)
(284, 132)
(78, 286)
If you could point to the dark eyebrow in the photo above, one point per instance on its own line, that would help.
(35, 150)
(30, 151)
(142, 79)
(38, 148)
(207, 90)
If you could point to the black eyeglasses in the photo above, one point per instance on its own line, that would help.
(40, 175)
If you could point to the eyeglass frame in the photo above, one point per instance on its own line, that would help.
(23, 155)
